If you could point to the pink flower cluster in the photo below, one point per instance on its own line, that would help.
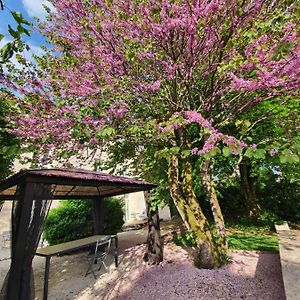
(195, 117)
(118, 110)
(150, 87)
(272, 152)
(214, 138)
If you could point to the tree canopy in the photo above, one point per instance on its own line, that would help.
(166, 78)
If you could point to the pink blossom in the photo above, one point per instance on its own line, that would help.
(234, 152)
(272, 152)
(194, 150)
(150, 87)
(93, 140)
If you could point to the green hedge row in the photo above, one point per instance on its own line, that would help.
(73, 220)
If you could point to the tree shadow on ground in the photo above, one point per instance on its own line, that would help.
(250, 275)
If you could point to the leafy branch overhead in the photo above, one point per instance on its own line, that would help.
(8, 50)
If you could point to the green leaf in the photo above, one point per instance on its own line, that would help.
(6, 52)
(238, 123)
(134, 130)
(10, 151)
(13, 33)
(259, 153)
(247, 123)
(108, 131)
(226, 151)
(186, 153)
(249, 153)
(293, 159)
(1, 37)
(275, 145)
(296, 146)
(174, 150)
(164, 153)
(19, 18)
(22, 30)
(283, 158)
(212, 152)
(287, 156)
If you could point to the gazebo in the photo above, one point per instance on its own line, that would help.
(32, 192)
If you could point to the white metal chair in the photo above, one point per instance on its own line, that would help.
(102, 248)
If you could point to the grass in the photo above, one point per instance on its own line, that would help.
(253, 242)
(240, 237)
(252, 238)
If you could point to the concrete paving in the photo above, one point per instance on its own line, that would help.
(289, 248)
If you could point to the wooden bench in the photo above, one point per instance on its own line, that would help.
(289, 249)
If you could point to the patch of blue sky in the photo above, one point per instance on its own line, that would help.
(31, 10)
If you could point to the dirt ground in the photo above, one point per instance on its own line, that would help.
(250, 275)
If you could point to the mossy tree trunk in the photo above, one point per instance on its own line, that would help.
(185, 200)
(252, 207)
(206, 177)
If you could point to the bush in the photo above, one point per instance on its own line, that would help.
(187, 239)
(114, 216)
(282, 198)
(73, 220)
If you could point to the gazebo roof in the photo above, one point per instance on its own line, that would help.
(74, 183)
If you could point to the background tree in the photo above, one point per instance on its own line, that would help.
(271, 128)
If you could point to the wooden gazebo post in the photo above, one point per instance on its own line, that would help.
(18, 255)
(98, 214)
(27, 220)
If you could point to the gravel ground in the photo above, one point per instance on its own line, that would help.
(250, 275)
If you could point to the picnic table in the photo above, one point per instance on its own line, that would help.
(50, 251)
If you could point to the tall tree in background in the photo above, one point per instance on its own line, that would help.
(275, 129)
(172, 74)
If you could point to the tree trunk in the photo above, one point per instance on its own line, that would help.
(206, 176)
(154, 253)
(247, 186)
(186, 201)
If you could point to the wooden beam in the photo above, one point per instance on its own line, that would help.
(18, 255)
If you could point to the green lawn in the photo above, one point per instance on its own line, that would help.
(252, 242)
(252, 238)
(240, 237)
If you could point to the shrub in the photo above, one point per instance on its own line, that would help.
(187, 239)
(114, 216)
(281, 197)
(73, 220)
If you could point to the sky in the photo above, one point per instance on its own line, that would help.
(29, 9)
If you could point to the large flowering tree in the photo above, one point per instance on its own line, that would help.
(168, 73)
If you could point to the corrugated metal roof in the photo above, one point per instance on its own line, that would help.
(74, 183)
